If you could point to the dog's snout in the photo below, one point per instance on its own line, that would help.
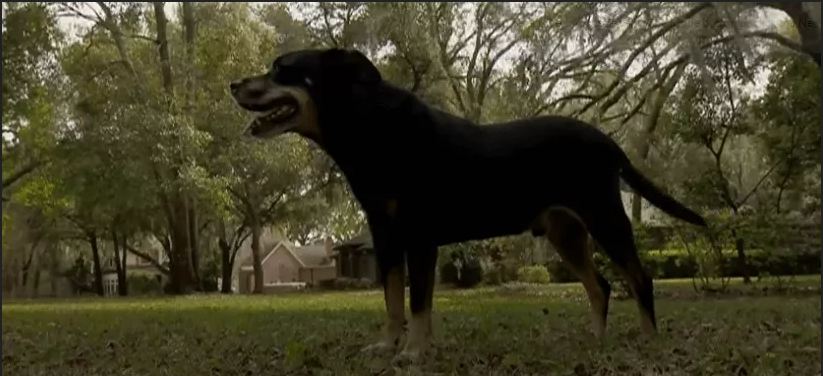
(235, 85)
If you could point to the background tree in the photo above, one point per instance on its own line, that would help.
(142, 142)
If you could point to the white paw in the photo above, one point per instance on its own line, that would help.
(406, 357)
(381, 347)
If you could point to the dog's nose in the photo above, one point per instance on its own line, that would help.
(234, 85)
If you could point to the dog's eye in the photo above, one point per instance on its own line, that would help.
(308, 81)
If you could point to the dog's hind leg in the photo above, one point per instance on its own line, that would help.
(567, 233)
(421, 262)
(612, 229)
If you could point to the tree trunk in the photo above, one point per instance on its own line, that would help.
(652, 120)
(742, 264)
(119, 265)
(226, 265)
(27, 266)
(188, 83)
(35, 288)
(637, 208)
(183, 279)
(54, 270)
(182, 273)
(188, 39)
(256, 230)
(191, 221)
(124, 283)
(163, 47)
(225, 258)
(95, 256)
(225, 286)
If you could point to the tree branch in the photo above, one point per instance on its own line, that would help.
(808, 28)
(756, 186)
(143, 37)
(19, 174)
(148, 258)
(648, 42)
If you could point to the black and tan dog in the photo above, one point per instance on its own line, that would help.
(426, 178)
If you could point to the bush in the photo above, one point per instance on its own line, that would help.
(144, 284)
(533, 274)
(448, 273)
(471, 273)
(677, 263)
(494, 277)
(463, 270)
(209, 275)
(344, 283)
(559, 273)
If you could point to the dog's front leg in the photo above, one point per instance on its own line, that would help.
(422, 263)
(394, 296)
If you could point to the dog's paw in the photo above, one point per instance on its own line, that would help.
(378, 348)
(406, 358)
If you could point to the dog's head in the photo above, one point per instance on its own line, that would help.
(286, 98)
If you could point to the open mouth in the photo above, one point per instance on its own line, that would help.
(276, 119)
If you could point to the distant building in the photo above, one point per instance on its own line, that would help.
(284, 263)
(355, 258)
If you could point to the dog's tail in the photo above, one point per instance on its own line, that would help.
(657, 197)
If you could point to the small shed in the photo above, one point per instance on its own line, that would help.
(355, 258)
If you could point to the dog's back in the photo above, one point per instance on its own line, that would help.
(474, 181)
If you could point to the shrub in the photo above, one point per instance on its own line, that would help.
(494, 276)
(559, 273)
(144, 284)
(463, 270)
(448, 273)
(344, 283)
(471, 273)
(677, 263)
(533, 274)
(209, 275)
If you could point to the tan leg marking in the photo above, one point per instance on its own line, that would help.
(394, 296)
(568, 234)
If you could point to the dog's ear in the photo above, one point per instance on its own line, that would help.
(354, 64)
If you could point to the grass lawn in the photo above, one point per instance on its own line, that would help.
(486, 331)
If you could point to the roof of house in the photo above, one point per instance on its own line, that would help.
(266, 246)
(363, 240)
(311, 256)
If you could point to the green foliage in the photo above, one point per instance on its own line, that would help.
(31, 40)
(702, 263)
(448, 273)
(79, 275)
(345, 284)
(144, 284)
(113, 146)
(42, 192)
(209, 274)
(533, 274)
(790, 137)
(464, 270)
